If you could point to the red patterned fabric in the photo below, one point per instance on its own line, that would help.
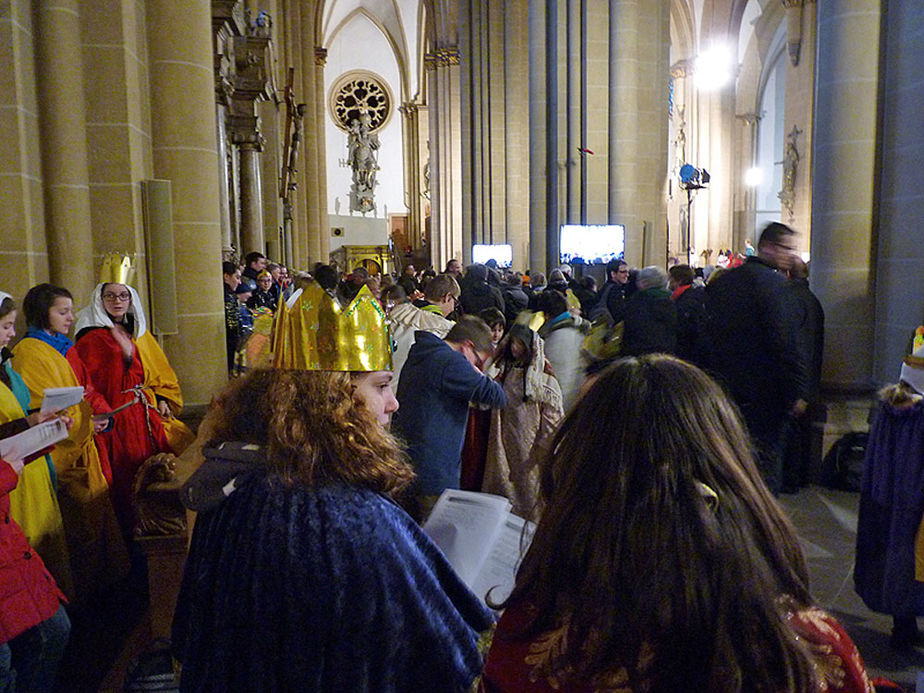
(521, 666)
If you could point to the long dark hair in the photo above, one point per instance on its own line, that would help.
(660, 546)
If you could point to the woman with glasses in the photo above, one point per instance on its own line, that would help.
(127, 366)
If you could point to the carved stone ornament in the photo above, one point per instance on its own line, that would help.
(443, 57)
(360, 92)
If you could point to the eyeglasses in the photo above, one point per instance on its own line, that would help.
(124, 296)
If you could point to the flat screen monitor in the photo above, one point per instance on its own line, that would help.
(592, 245)
(502, 254)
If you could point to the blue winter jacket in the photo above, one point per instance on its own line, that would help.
(437, 383)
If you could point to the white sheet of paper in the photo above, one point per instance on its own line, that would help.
(32, 440)
(499, 571)
(60, 398)
(464, 524)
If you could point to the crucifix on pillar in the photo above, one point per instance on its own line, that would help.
(295, 114)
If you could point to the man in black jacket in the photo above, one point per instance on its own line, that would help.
(650, 316)
(477, 294)
(690, 302)
(754, 348)
(612, 303)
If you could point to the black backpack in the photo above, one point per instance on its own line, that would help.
(842, 468)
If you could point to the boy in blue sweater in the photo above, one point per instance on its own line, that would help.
(439, 380)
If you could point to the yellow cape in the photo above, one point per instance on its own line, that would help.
(98, 553)
(160, 380)
(34, 505)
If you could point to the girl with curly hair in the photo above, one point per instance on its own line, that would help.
(303, 572)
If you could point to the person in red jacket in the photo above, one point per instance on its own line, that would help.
(34, 628)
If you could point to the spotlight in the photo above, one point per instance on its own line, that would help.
(713, 68)
(753, 177)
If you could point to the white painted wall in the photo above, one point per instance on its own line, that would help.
(358, 230)
(360, 45)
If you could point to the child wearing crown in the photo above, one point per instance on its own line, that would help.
(303, 573)
(127, 366)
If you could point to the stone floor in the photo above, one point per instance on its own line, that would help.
(827, 525)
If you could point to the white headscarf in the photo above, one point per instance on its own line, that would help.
(4, 295)
(95, 315)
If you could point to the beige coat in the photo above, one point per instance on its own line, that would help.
(405, 319)
(521, 432)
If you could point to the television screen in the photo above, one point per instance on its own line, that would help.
(502, 254)
(592, 245)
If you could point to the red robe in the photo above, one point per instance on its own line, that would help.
(522, 666)
(138, 431)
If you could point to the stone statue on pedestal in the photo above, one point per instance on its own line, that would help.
(363, 147)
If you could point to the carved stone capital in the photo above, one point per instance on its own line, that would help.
(320, 56)
(792, 3)
(409, 108)
(443, 57)
(748, 118)
(682, 68)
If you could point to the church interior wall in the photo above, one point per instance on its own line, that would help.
(377, 57)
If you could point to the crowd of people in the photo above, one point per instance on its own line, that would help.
(69, 519)
(660, 560)
(645, 427)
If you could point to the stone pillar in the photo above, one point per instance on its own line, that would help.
(410, 135)
(538, 188)
(320, 122)
(310, 190)
(182, 93)
(844, 165)
(23, 258)
(623, 122)
(445, 155)
(251, 197)
(900, 256)
(517, 134)
(64, 144)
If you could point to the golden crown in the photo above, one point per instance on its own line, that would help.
(313, 332)
(118, 268)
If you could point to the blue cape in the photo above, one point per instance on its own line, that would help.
(330, 589)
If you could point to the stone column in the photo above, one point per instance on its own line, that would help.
(23, 258)
(320, 122)
(251, 196)
(623, 122)
(445, 155)
(844, 165)
(410, 132)
(538, 187)
(64, 144)
(900, 256)
(182, 93)
(517, 135)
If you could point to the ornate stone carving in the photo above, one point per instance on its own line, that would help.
(443, 57)
(790, 168)
(363, 154)
(320, 56)
(682, 68)
(359, 92)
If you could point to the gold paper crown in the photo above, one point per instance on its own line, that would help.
(118, 268)
(313, 332)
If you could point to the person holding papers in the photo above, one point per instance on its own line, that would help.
(128, 368)
(303, 574)
(662, 561)
(47, 359)
(33, 503)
